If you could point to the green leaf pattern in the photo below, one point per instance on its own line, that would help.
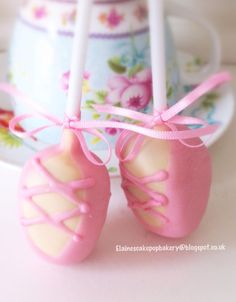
(9, 140)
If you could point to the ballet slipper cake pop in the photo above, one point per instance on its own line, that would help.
(65, 190)
(64, 199)
(165, 167)
(166, 182)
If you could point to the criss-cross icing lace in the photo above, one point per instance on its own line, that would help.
(154, 200)
(68, 190)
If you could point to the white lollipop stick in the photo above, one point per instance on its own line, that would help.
(79, 52)
(157, 40)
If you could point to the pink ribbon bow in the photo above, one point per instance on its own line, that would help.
(168, 117)
(74, 124)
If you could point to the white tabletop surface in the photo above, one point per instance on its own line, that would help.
(110, 276)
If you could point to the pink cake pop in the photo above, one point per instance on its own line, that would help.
(166, 183)
(65, 190)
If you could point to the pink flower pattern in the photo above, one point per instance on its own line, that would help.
(112, 19)
(112, 131)
(66, 77)
(133, 93)
(40, 12)
(141, 12)
(69, 17)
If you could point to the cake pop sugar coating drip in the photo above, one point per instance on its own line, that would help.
(64, 199)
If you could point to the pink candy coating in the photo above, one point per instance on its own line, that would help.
(187, 182)
(92, 209)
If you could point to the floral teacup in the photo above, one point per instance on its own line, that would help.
(118, 60)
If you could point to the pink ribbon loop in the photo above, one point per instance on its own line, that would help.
(67, 123)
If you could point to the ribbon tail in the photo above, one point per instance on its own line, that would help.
(15, 93)
(89, 155)
(211, 83)
(102, 137)
(187, 120)
(152, 133)
(123, 142)
(14, 122)
(123, 112)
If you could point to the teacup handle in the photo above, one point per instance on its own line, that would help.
(176, 10)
